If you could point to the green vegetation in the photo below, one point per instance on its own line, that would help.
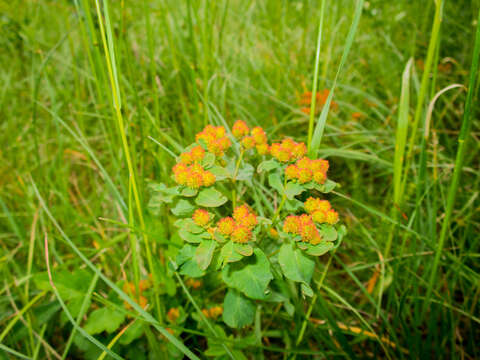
(100, 97)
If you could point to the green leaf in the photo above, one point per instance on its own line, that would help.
(328, 232)
(183, 208)
(275, 182)
(293, 189)
(188, 192)
(70, 285)
(204, 253)
(327, 187)
(189, 225)
(319, 249)
(210, 197)
(250, 276)
(306, 290)
(243, 249)
(190, 237)
(220, 173)
(208, 160)
(267, 165)
(104, 319)
(132, 333)
(238, 311)
(228, 253)
(245, 173)
(293, 205)
(186, 259)
(162, 193)
(295, 265)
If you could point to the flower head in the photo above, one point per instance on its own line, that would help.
(208, 178)
(331, 217)
(173, 314)
(259, 135)
(262, 149)
(240, 129)
(215, 138)
(241, 234)
(225, 226)
(197, 153)
(292, 172)
(287, 150)
(291, 224)
(248, 142)
(201, 217)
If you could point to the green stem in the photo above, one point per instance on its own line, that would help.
(234, 179)
(314, 300)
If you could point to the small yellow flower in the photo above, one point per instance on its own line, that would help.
(201, 217)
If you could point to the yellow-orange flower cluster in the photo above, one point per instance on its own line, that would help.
(193, 176)
(194, 284)
(257, 137)
(288, 150)
(321, 211)
(213, 313)
(201, 217)
(304, 226)
(321, 99)
(129, 288)
(215, 138)
(195, 155)
(173, 314)
(239, 228)
(305, 170)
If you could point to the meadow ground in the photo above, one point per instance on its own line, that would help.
(84, 84)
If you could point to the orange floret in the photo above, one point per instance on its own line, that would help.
(314, 204)
(259, 135)
(291, 224)
(216, 311)
(331, 217)
(241, 234)
(240, 129)
(240, 212)
(195, 179)
(225, 226)
(248, 142)
(319, 216)
(215, 138)
(305, 175)
(201, 217)
(291, 172)
(173, 314)
(197, 153)
(299, 150)
(263, 149)
(186, 158)
(311, 204)
(319, 177)
(208, 178)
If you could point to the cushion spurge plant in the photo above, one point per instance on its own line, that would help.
(252, 214)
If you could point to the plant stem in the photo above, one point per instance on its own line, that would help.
(234, 179)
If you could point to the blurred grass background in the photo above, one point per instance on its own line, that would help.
(182, 64)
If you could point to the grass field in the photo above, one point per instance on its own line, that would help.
(98, 98)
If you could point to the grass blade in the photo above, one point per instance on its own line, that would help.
(319, 128)
(461, 151)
